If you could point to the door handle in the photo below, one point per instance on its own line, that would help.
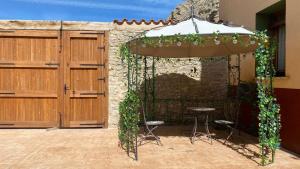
(9, 93)
(66, 88)
(52, 64)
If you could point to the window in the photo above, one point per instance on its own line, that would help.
(273, 20)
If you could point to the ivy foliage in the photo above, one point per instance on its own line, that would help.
(269, 116)
(129, 119)
(129, 108)
(126, 55)
(195, 39)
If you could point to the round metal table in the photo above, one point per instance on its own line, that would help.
(197, 111)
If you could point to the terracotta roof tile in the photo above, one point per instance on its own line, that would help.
(143, 21)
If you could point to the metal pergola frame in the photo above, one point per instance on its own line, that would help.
(233, 79)
(233, 74)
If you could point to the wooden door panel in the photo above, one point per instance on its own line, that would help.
(36, 80)
(84, 50)
(85, 65)
(30, 90)
(28, 109)
(84, 109)
(31, 49)
(84, 79)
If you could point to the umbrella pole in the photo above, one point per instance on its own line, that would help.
(153, 85)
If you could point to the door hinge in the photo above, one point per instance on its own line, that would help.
(98, 94)
(101, 125)
(7, 31)
(7, 124)
(102, 79)
(93, 65)
(101, 47)
(7, 63)
(93, 33)
(9, 93)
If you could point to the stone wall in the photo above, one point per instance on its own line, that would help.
(118, 35)
(175, 79)
(185, 82)
(204, 9)
(192, 78)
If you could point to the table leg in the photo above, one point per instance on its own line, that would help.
(194, 130)
(207, 129)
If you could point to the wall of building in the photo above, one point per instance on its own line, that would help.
(243, 12)
(187, 78)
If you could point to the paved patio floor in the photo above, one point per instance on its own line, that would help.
(98, 148)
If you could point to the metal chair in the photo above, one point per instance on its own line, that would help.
(150, 126)
(231, 114)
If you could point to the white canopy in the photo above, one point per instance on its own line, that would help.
(201, 28)
(196, 26)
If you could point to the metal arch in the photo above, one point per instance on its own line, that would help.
(149, 87)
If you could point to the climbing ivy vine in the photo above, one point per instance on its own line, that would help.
(195, 39)
(129, 108)
(129, 119)
(269, 116)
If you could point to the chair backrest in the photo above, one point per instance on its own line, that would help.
(232, 110)
(143, 113)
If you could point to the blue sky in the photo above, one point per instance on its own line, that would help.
(86, 10)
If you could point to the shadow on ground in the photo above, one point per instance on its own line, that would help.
(240, 142)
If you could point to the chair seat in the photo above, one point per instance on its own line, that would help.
(224, 122)
(154, 123)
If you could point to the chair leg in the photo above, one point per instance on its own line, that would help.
(230, 134)
(149, 134)
(156, 137)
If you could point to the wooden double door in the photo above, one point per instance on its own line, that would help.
(53, 79)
